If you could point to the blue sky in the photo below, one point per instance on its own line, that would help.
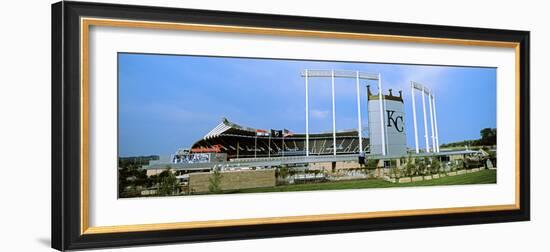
(171, 101)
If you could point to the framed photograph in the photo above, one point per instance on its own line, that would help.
(179, 125)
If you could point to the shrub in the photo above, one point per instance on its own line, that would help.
(435, 166)
(395, 172)
(282, 172)
(214, 182)
(372, 163)
(421, 168)
(410, 168)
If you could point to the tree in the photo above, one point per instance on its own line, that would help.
(215, 182)
(435, 166)
(168, 184)
(395, 172)
(421, 168)
(131, 177)
(459, 165)
(488, 136)
(410, 168)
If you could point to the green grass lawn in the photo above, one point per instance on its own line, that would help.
(482, 177)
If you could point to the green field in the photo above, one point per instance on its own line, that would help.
(482, 177)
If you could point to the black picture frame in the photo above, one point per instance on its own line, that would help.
(66, 124)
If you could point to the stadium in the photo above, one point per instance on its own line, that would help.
(243, 142)
(229, 143)
(335, 155)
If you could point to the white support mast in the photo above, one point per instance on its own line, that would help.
(333, 74)
(333, 116)
(425, 121)
(432, 121)
(307, 114)
(436, 127)
(382, 129)
(414, 119)
(433, 117)
(359, 126)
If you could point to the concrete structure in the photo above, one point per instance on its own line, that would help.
(232, 180)
(386, 124)
(266, 162)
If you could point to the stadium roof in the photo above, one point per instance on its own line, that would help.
(226, 126)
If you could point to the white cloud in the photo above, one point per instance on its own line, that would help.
(426, 75)
(315, 113)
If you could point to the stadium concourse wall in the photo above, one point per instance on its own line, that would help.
(334, 165)
(199, 182)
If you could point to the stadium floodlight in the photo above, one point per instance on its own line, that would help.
(357, 75)
(433, 117)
